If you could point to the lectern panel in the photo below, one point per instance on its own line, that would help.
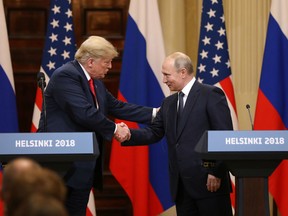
(45, 147)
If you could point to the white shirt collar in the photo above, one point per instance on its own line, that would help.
(188, 87)
(85, 72)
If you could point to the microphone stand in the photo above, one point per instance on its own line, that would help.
(42, 85)
(255, 185)
(251, 122)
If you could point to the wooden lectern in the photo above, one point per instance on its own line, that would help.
(247, 154)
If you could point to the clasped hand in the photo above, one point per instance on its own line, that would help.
(213, 183)
(122, 133)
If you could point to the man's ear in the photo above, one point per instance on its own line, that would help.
(90, 62)
(183, 72)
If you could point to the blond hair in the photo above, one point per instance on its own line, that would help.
(95, 47)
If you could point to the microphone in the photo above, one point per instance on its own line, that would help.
(42, 85)
(41, 80)
(248, 108)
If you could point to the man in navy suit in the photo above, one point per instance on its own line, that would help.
(199, 188)
(74, 106)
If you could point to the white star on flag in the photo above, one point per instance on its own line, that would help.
(213, 58)
(60, 48)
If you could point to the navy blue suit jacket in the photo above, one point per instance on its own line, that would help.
(205, 109)
(71, 108)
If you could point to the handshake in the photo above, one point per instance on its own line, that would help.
(122, 133)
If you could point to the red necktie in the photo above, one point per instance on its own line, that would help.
(92, 88)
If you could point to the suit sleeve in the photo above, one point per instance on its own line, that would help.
(148, 135)
(218, 111)
(69, 92)
(220, 119)
(128, 111)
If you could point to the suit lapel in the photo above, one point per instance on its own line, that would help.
(99, 94)
(172, 113)
(190, 102)
(87, 91)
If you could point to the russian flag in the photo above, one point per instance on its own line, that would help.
(8, 111)
(143, 170)
(272, 101)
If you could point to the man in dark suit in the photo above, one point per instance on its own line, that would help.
(199, 188)
(75, 104)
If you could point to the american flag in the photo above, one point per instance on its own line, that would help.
(213, 57)
(60, 48)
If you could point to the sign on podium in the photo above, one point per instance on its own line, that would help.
(49, 148)
(248, 155)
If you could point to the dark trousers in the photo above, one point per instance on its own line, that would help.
(76, 201)
(216, 206)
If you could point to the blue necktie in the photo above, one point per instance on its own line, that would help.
(180, 107)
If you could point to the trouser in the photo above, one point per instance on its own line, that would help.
(76, 201)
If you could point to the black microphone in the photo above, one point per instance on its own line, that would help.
(248, 108)
(42, 85)
(41, 80)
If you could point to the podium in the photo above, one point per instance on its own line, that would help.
(53, 150)
(247, 154)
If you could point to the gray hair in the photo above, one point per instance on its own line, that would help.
(182, 61)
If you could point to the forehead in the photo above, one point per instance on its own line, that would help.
(103, 59)
(168, 66)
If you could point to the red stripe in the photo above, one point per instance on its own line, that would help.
(33, 128)
(38, 100)
(130, 166)
(227, 87)
(278, 186)
(233, 195)
(88, 212)
(267, 118)
(38, 103)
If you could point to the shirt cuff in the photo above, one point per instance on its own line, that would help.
(115, 128)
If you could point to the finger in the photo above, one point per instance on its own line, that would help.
(213, 187)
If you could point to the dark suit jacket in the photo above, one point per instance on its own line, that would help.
(70, 108)
(205, 109)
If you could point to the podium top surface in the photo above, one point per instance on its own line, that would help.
(252, 145)
(49, 146)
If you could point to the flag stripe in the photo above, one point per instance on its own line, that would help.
(5, 57)
(147, 184)
(272, 101)
(60, 48)
(278, 187)
(141, 12)
(226, 86)
(140, 94)
(270, 118)
(279, 13)
(213, 59)
(147, 96)
(8, 110)
(274, 85)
